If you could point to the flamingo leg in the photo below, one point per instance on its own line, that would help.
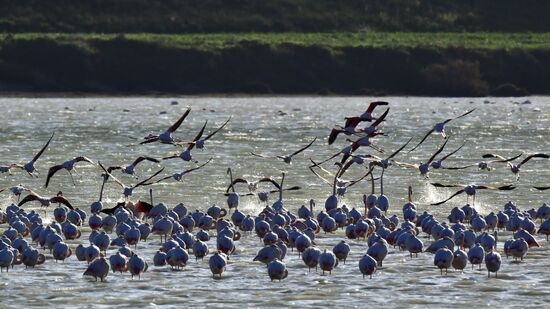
(72, 178)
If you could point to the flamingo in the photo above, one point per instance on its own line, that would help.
(44, 201)
(440, 128)
(127, 190)
(179, 176)
(29, 166)
(513, 167)
(67, 165)
(129, 169)
(286, 158)
(252, 185)
(7, 168)
(348, 150)
(16, 190)
(186, 154)
(338, 185)
(278, 205)
(166, 136)
(352, 122)
(437, 164)
(350, 129)
(484, 165)
(384, 163)
(200, 143)
(470, 190)
(424, 168)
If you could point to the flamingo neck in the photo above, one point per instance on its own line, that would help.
(382, 182)
(101, 190)
(281, 189)
(372, 179)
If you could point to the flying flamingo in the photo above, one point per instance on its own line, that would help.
(513, 167)
(130, 168)
(186, 154)
(16, 190)
(286, 158)
(29, 166)
(470, 190)
(424, 168)
(127, 190)
(484, 165)
(7, 168)
(339, 185)
(200, 142)
(437, 163)
(68, 165)
(351, 124)
(179, 176)
(45, 202)
(252, 185)
(440, 128)
(166, 136)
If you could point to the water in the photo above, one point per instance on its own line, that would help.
(101, 130)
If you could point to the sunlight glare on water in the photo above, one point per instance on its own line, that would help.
(109, 129)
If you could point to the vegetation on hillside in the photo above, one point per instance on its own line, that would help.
(297, 64)
(191, 16)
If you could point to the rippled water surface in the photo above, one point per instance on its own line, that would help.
(107, 129)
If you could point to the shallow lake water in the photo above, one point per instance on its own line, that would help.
(109, 129)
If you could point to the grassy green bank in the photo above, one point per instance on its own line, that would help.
(454, 64)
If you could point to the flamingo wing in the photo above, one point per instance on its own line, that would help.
(270, 180)
(196, 168)
(437, 152)
(83, 159)
(236, 181)
(51, 172)
(177, 124)
(399, 150)
(453, 152)
(423, 139)
(197, 137)
(450, 197)
(304, 148)
(263, 156)
(466, 113)
(165, 178)
(29, 198)
(141, 158)
(144, 182)
(352, 122)
(334, 134)
(380, 119)
(459, 167)
(351, 183)
(440, 185)
(171, 157)
(536, 155)
(150, 139)
(62, 200)
(374, 104)
(320, 177)
(217, 130)
(39, 153)
(108, 174)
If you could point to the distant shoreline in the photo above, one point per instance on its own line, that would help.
(278, 64)
(175, 96)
